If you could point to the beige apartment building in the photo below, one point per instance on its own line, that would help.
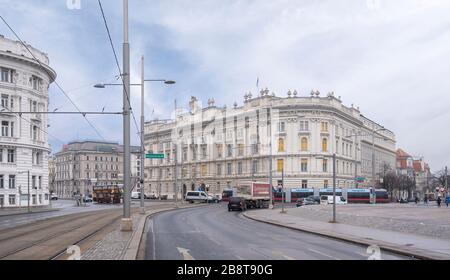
(82, 165)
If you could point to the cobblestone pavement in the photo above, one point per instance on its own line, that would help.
(109, 248)
(427, 221)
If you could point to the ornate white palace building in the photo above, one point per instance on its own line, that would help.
(24, 144)
(219, 147)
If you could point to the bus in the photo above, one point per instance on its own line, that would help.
(359, 195)
(382, 196)
(301, 193)
(330, 192)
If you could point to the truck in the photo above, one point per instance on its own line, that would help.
(107, 194)
(256, 194)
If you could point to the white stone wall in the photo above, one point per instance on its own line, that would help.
(342, 121)
(20, 90)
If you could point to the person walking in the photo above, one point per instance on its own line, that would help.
(447, 200)
(425, 200)
(417, 199)
(439, 201)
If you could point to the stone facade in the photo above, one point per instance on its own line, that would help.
(219, 147)
(24, 147)
(82, 165)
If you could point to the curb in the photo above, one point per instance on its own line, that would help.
(360, 241)
(133, 246)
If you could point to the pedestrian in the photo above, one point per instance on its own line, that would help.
(439, 201)
(447, 200)
(425, 200)
(417, 199)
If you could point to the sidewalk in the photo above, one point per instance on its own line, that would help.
(118, 245)
(421, 247)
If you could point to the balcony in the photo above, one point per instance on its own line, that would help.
(36, 117)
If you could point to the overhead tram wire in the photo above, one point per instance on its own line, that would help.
(118, 66)
(56, 82)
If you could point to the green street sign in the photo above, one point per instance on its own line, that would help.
(155, 156)
(360, 179)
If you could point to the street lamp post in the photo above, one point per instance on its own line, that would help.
(334, 188)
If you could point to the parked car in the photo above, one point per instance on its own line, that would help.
(88, 199)
(305, 201)
(328, 199)
(314, 198)
(403, 201)
(237, 203)
(54, 197)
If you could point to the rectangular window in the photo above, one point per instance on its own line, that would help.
(40, 182)
(204, 170)
(229, 150)
(219, 169)
(5, 99)
(255, 149)
(280, 165)
(281, 127)
(219, 150)
(11, 155)
(255, 167)
(12, 181)
(325, 165)
(304, 165)
(229, 169)
(12, 199)
(325, 184)
(304, 184)
(6, 75)
(12, 129)
(324, 127)
(2, 181)
(240, 150)
(5, 128)
(2, 200)
(240, 171)
(1, 155)
(304, 126)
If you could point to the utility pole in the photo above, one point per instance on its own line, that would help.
(29, 209)
(373, 158)
(127, 223)
(356, 161)
(446, 179)
(334, 188)
(283, 195)
(270, 158)
(176, 159)
(142, 135)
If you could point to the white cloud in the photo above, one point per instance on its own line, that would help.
(388, 58)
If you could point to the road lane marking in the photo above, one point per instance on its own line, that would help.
(153, 239)
(185, 253)
(323, 254)
(281, 254)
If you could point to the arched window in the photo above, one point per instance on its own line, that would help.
(324, 144)
(304, 144)
(281, 147)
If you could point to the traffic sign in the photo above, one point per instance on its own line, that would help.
(360, 179)
(154, 156)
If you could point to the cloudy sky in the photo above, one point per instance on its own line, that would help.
(390, 58)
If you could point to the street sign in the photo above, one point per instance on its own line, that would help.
(360, 179)
(154, 156)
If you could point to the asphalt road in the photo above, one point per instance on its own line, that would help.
(63, 207)
(213, 233)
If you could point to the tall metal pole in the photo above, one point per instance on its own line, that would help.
(142, 135)
(176, 160)
(356, 162)
(270, 160)
(283, 196)
(127, 224)
(334, 188)
(29, 209)
(373, 158)
(446, 179)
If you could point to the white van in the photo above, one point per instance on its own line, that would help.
(135, 195)
(328, 199)
(197, 196)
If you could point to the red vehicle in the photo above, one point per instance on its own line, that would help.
(256, 195)
(382, 196)
(226, 195)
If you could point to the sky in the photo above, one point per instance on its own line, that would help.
(390, 58)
